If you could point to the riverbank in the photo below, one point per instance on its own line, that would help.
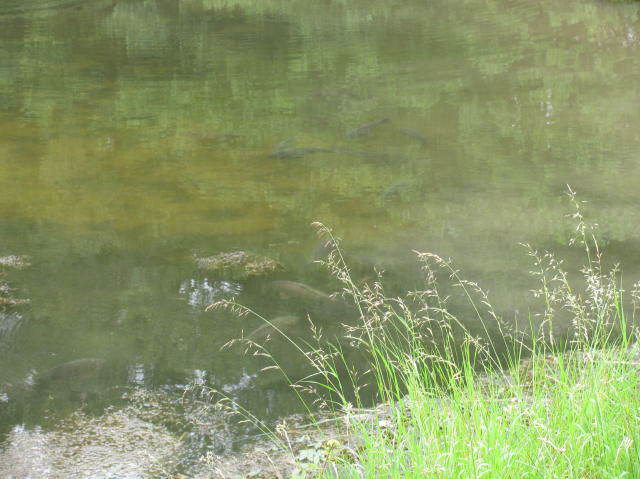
(473, 397)
(570, 414)
(555, 415)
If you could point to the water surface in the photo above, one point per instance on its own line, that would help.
(137, 134)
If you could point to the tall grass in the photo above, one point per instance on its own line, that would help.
(476, 397)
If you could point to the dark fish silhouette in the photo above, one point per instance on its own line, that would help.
(76, 370)
(372, 155)
(299, 291)
(77, 373)
(416, 135)
(297, 152)
(275, 327)
(395, 190)
(365, 129)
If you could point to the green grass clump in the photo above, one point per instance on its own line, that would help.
(581, 421)
(479, 398)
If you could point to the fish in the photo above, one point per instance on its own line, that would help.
(373, 155)
(280, 325)
(300, 291)
(78, 369)
(302, 300)
(416, 135)
(298, 152)
(79, 372)
(395, 189)
(365, 129)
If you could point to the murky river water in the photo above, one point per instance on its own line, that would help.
(137, 135)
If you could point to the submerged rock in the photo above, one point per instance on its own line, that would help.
(238, 265)
(155, 434)
(83, 447)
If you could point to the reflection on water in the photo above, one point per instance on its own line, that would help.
(202, 293)
(135, 133)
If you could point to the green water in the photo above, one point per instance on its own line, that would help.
(136, 134)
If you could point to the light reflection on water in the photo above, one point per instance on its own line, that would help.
(134, 133)
(202, 293)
